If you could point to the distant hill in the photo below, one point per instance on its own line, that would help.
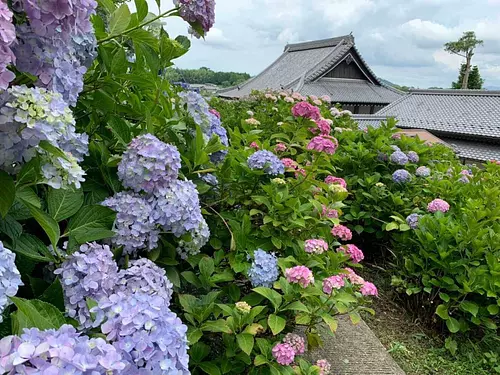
(206, 76)
(389, 83)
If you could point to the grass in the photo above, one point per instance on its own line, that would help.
(416, 348)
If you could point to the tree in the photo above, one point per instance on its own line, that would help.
(475, 81)
(464, 47)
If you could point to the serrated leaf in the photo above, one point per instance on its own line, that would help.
(29, 172)
(92, 223)
(7, 193)
(259, 360)
(54, 295)
(25, 193)
(120, 130)
(119, 20)
(493, 309)
(271, 295)
(39, 314)
(32, 248)
(245, 342)
(48, 224)
(10, 227)
(194, 335)
(210, 368)
(276, 323)
(64, 203)
(391, 226)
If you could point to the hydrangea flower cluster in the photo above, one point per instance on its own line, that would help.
(401, 176)
(91, 273)
(412, 220)
(322, 127)
(254, 145)
(149, 164)
(284, 354)
(296, 342)
(353, 277)
(290, 163)
(10, 276)
(134, 227)
(62, 351)
(332, 180)
(353, 252)
(299, 275)
(252, 121)
(412, 157)
(306, 110)
(324, 366)
(464, 179)
(266, 161)
(382, 157)
(342, 232)
(438, 205)
(280, 147)
(323, 143)
(264, 269)
(217, 129)
(399, 157)
(329, 213)
(243, 307)
(333, 282)
(315, 246)
(199, 237)
(201, 12)
(31, 115)
(423, 171)
(210, 179)
(7, 38)
(368, 289)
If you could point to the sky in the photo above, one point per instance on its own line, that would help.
(402, 40)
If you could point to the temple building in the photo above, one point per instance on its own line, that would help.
(332, 67)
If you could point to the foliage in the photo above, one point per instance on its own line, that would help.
(205, 75)
(475, 80)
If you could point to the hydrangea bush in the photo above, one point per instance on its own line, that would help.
(141, 231)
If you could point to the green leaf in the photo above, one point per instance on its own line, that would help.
(470, 307)
(54, 295)
(210, 368)
(10, 227)
(297, 306)
(50, 148)
(245, 342)
(64, 203)
(216, 326)
(355, 317)
(142, 9)
(120, 129)
(107, 4)
(26, 194)
(39, 314)
(198, 351)
(451, 345)
(7, 193)
(442, 312)
(194, 335)
(332, 323)
(259, 360)
(119, 20)
(391, 226)
(48, 224)
(453, 325)
(92, 223)
(119, 63)
(29, 172)
(271, 295)
(32, 248)
(206, 266)
(276, 323)
(445, 297)
(493, 309)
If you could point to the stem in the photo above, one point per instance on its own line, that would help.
(140, 26)
(224, 220)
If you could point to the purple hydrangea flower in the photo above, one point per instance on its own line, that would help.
(62, 351)
(201, 12)
(264, 269)
(266, 161)
(134, 227)
(412, 221)
(399, 157)
(90, 273)
(438, 205)
(10, 276)
(464, 179)
(59, 172)
(401, 176)
(7, 38)
(199, 237)
(382, 157)
(210, 179)
(149, 164)
(216, 129)
(198, 108)
(296, 342)
(412, 157)
(423, 172)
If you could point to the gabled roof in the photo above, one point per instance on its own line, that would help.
(303, 64)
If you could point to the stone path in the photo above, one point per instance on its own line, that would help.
(355, 350)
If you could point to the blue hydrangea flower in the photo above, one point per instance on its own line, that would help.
(149, 164)
(134, 227)
(395, 148)
(197, 11)
(198, 108)
(382, 157)
(146, 333)
(62, 351)
(199, 237)
(217, 129)
(10, 276)
(412, 156)
(399, 157)
(464, 179)
(59, 172)
(401, 176)
(412, 221)
(91, 273)
(423, 172)
(266, 161)
(264, 269)
(210, 179)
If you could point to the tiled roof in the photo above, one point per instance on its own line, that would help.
(302, 65)
(350, 91)
(474, 150)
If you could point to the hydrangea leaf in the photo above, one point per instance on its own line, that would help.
(119, 20)
(142, 9)
(276, 323)
(64, 203)
(39, 314)
(48, 224)
(245, 342)
(92, 223)
(7, 193)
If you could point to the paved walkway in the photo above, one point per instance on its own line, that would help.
(355, 350)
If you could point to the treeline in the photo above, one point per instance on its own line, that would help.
(206, 75)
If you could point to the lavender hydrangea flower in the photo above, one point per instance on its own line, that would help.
(59, 172)
(201, 12)
(216, 129)
(464, 179)
(266, 161)
(134, 227)
(10, 276)
(177, 208)
(149, 164)
(199, 238)
(382, 157)
(264, 269)
(412, 221)
(423, 171)
(399, 157)
(210, 179)
(91, 273)
(146, 333)
(198, 108)
(62, 351)
(7, 38)
(401, 176)
(412, 156)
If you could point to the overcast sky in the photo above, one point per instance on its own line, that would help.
(400, 39)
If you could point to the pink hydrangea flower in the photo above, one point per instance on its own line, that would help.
(289, 163)
(214, 112)
(300, 172)
(280, 147)
(289, 99)
(296, 342)
(323, 143)
(353, 277)
(306, 110)
(323, 127)
(254, 145)
(330, 213)
(325, 98)
(342, 232)
(283, 94)
(313, 97)
(353, 252)
(333, 282)
(317, 102)
(271, 97)
(396, 136)
(438, 205)
(315, 246)
(284, 354)
(299, 275)
(298, 96)
(466, 172)
(369, 289)
(332, 180)
(324, 366)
